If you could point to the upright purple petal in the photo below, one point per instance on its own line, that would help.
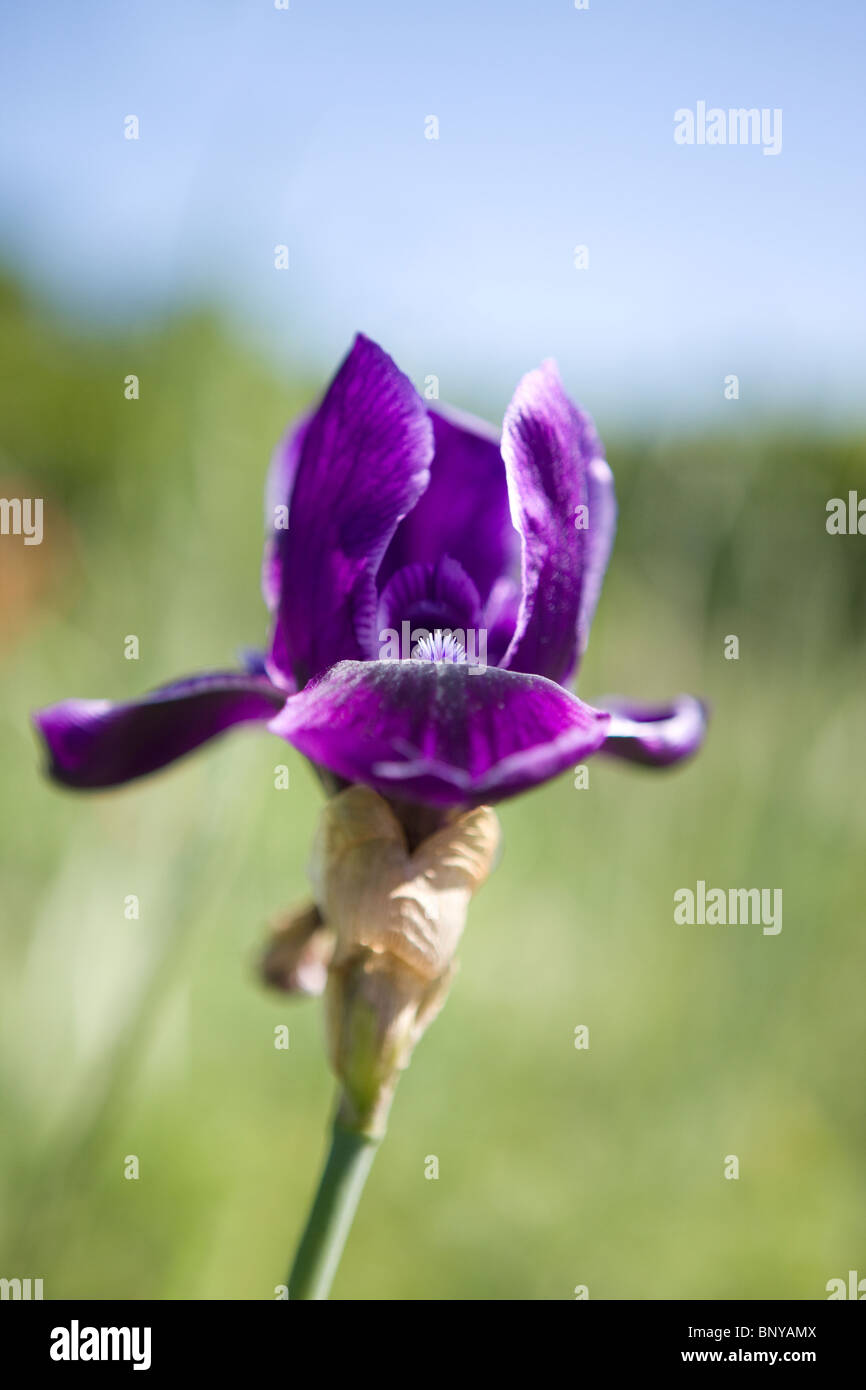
(437, 732)
(94, 743)
(500, 618)
(601, 509)
(549, 445)
(656, 736)
(279, 487)
(364, 462)
(464, 511)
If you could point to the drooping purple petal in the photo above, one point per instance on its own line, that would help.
(464, 511)
(548, 445)
(656, 736)
(437, 732)
(94, 743)
(364, 462)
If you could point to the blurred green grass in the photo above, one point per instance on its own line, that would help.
(558, 1167)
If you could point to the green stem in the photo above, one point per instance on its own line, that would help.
(333, 1210)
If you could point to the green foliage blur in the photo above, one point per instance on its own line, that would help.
(557, 1167)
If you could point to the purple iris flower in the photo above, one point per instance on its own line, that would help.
(404, 520)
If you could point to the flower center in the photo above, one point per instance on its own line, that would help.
(431, 612)
(439, 646)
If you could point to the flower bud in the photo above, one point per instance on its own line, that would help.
(397, 918)
(297, 956)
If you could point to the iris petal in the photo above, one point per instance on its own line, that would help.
(364, 462)
(500, 618)
(437, 732)
(94, 743)
(278, 497)
(656, 736)
(464, 511)
(601, 508)
(554, 464)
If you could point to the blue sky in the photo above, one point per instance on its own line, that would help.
(306, 128)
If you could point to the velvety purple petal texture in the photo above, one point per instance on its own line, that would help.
(601, 508)
(655, 736)
(500, 618)
(548, 445)
(364, 462)
(438, 732)
(279, 487)
(431, 597)
(464, 511)
(94, 743)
